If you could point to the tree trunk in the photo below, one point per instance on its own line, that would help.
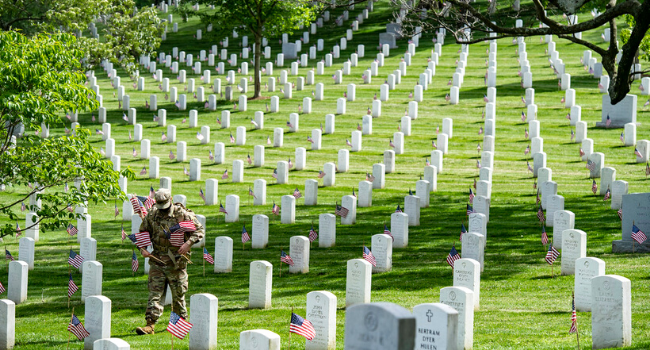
(256, 71)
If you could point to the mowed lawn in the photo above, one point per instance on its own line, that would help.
(523, 306)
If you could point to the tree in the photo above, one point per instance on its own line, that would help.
(262, 18)
(128, 32)
(40, 79)
(457, 15)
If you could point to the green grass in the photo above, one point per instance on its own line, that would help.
(522, 307)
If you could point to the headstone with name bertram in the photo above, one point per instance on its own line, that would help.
(586, 268)
(321, 312)
(259, 339)
(223, 254)
(357, 285)
(379, 326)
(574, 247)
(636, 209)
(461, 299)
(611, 320)
(97, 320)
(467, 273)
(204, 313)
(260, 285)
(436, 326)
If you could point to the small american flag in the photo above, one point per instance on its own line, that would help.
(225, 175)
(463, 231)
(387, 232)
(527, 150)
(367, 255)
(117, 211)
(268, 140)
(18, 231)
(143, 171)
(72, 287)
(245, 237)
(620, 214)
(249, 160)
(290, 163)
(285, 258)
(341, 211)
(582, 152)
(594, 187)
(141, 239)
(232, 139)
(637, 153)
(22, 206)
(222, 209)
(471, 196)
(544, 236)
(71, 230)
(529, 167)
(123, 233)
(574, 317)
(2, 288)
(638, 235)
(470, 209)
(77, 328)
(302, 327)
(207, 257)
(608, 122)
(74, 259)
(478, 164)
(275, 209)
(390, 143)
(135, 154)
(347, 142)
(171, 155)
(312, 234)
(399, 209)
(526, 133)
(608, 194)
(250, 193)
(552, 254)
(370, 177)
(573, 134)
(275, 173)
(178, 326)
(177, 232)
(452, 256)
(289, 125)
(135, 265)
(202, 195)
(540, 214)
(296, 193)
(591, 165)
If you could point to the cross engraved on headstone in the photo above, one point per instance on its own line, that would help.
(429, 314)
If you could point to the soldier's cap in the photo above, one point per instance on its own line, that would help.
(163, 198)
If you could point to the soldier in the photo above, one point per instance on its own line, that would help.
(168, 263)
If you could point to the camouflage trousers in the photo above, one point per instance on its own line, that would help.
(159, 278)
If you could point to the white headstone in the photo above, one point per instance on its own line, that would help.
(611, 320)
(204, 312)
(223, 254)
(462, 300)
(260, 285)
(358, 282)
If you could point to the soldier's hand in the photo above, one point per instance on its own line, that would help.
(184, 248)
(145, 253)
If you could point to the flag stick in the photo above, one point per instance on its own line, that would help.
(203, 265)
(170, 333)
(133, 249)
(68, 346)
(290, 330)
(69, 274)
(280, 265)
(632, 240)
(577, 331)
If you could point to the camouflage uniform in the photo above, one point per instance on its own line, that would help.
(174, 272)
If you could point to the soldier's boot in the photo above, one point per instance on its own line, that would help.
(148, 329)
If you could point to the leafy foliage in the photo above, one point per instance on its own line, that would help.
(41, 78)
(263, 19)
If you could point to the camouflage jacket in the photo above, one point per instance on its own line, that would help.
(156, 222)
